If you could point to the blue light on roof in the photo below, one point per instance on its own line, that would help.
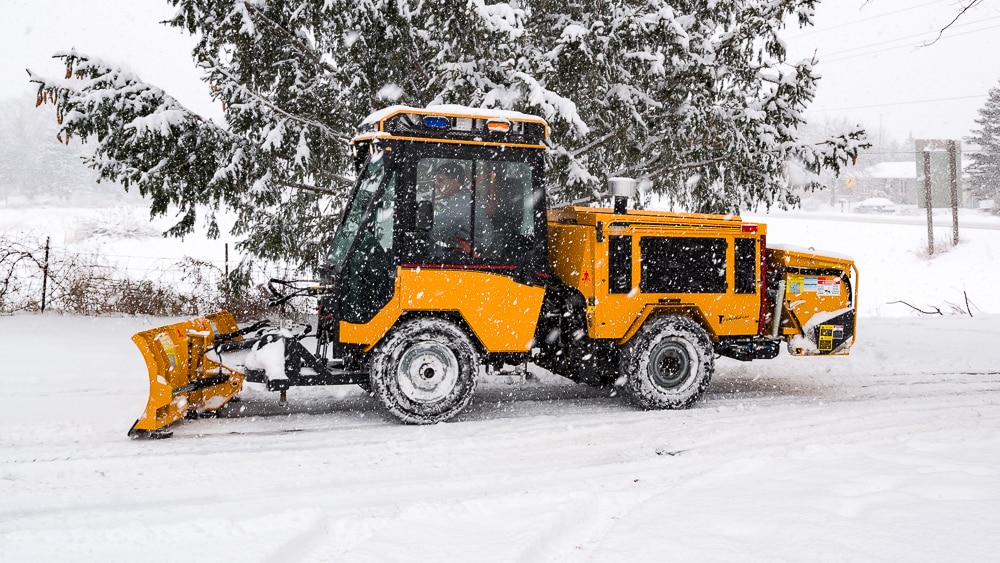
(436, 121)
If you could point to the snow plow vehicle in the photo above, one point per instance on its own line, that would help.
(447, 264)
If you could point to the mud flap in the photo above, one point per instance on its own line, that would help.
(183, 378)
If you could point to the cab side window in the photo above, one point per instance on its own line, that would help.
(507, 190)
(476, 210)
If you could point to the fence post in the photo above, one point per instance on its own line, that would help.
(45, 273)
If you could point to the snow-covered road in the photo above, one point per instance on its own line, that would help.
(892, 453)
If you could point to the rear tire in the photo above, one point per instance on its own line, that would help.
(668, 364)
(425, 371)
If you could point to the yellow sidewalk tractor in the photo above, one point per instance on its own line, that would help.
(447, 264)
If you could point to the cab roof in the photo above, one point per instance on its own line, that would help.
(455, 124)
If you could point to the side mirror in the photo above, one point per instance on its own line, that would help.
(425, 216)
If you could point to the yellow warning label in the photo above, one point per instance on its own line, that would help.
(825, 338)
(794, 285)
(168, 347)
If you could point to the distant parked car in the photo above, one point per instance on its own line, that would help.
(875, 205)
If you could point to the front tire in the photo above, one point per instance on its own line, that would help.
(668, 364)
(424, 371)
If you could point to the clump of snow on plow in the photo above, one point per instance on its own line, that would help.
(269, 356)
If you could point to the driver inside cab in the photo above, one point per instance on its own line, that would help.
(454, 214)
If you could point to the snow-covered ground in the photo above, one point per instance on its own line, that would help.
(890, 454)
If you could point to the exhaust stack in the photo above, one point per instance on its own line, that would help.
(622, 189)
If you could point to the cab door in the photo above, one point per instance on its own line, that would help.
(363, 249)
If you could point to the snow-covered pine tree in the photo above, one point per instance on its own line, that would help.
(984, 172)
(696, 98)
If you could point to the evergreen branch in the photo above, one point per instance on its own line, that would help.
(293, 39)
(343, 180)
(314, 189)
(690, 165)
(415, 64)
(698, 164)
(216, 66)
(599, 142)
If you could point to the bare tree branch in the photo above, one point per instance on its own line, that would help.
(936, 311)
(966, 8)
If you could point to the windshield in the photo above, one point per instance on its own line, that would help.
(368, 184)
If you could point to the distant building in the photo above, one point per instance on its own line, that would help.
(900, 182)
(892, 180)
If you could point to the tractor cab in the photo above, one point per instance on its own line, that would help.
(440, 188)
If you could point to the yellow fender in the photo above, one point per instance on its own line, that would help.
(182, 376)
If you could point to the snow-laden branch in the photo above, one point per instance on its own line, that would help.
(216, 66)
(305, 50)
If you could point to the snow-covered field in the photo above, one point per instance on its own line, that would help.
(890, 454)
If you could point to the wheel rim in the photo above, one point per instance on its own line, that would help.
(671, 364)
(428, 372)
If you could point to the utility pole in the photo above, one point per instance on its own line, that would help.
(953, 176)
(946, 148)
(928, 200)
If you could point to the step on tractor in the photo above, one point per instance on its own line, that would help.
(447, 266)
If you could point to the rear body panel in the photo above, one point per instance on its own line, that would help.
(631, 266)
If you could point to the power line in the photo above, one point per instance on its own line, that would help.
(921, 34)
(878, 51)
(900, 103)
(869, 18)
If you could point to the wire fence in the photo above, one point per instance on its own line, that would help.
(37, 276)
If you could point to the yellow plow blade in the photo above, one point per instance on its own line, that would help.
(182, 376)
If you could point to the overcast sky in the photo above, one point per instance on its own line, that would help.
(874, 70)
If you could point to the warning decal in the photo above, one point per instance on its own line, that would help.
(809, 284)
(168, 347)
(826, 338)
(828, 285)
(794, 286)
(820, 285)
